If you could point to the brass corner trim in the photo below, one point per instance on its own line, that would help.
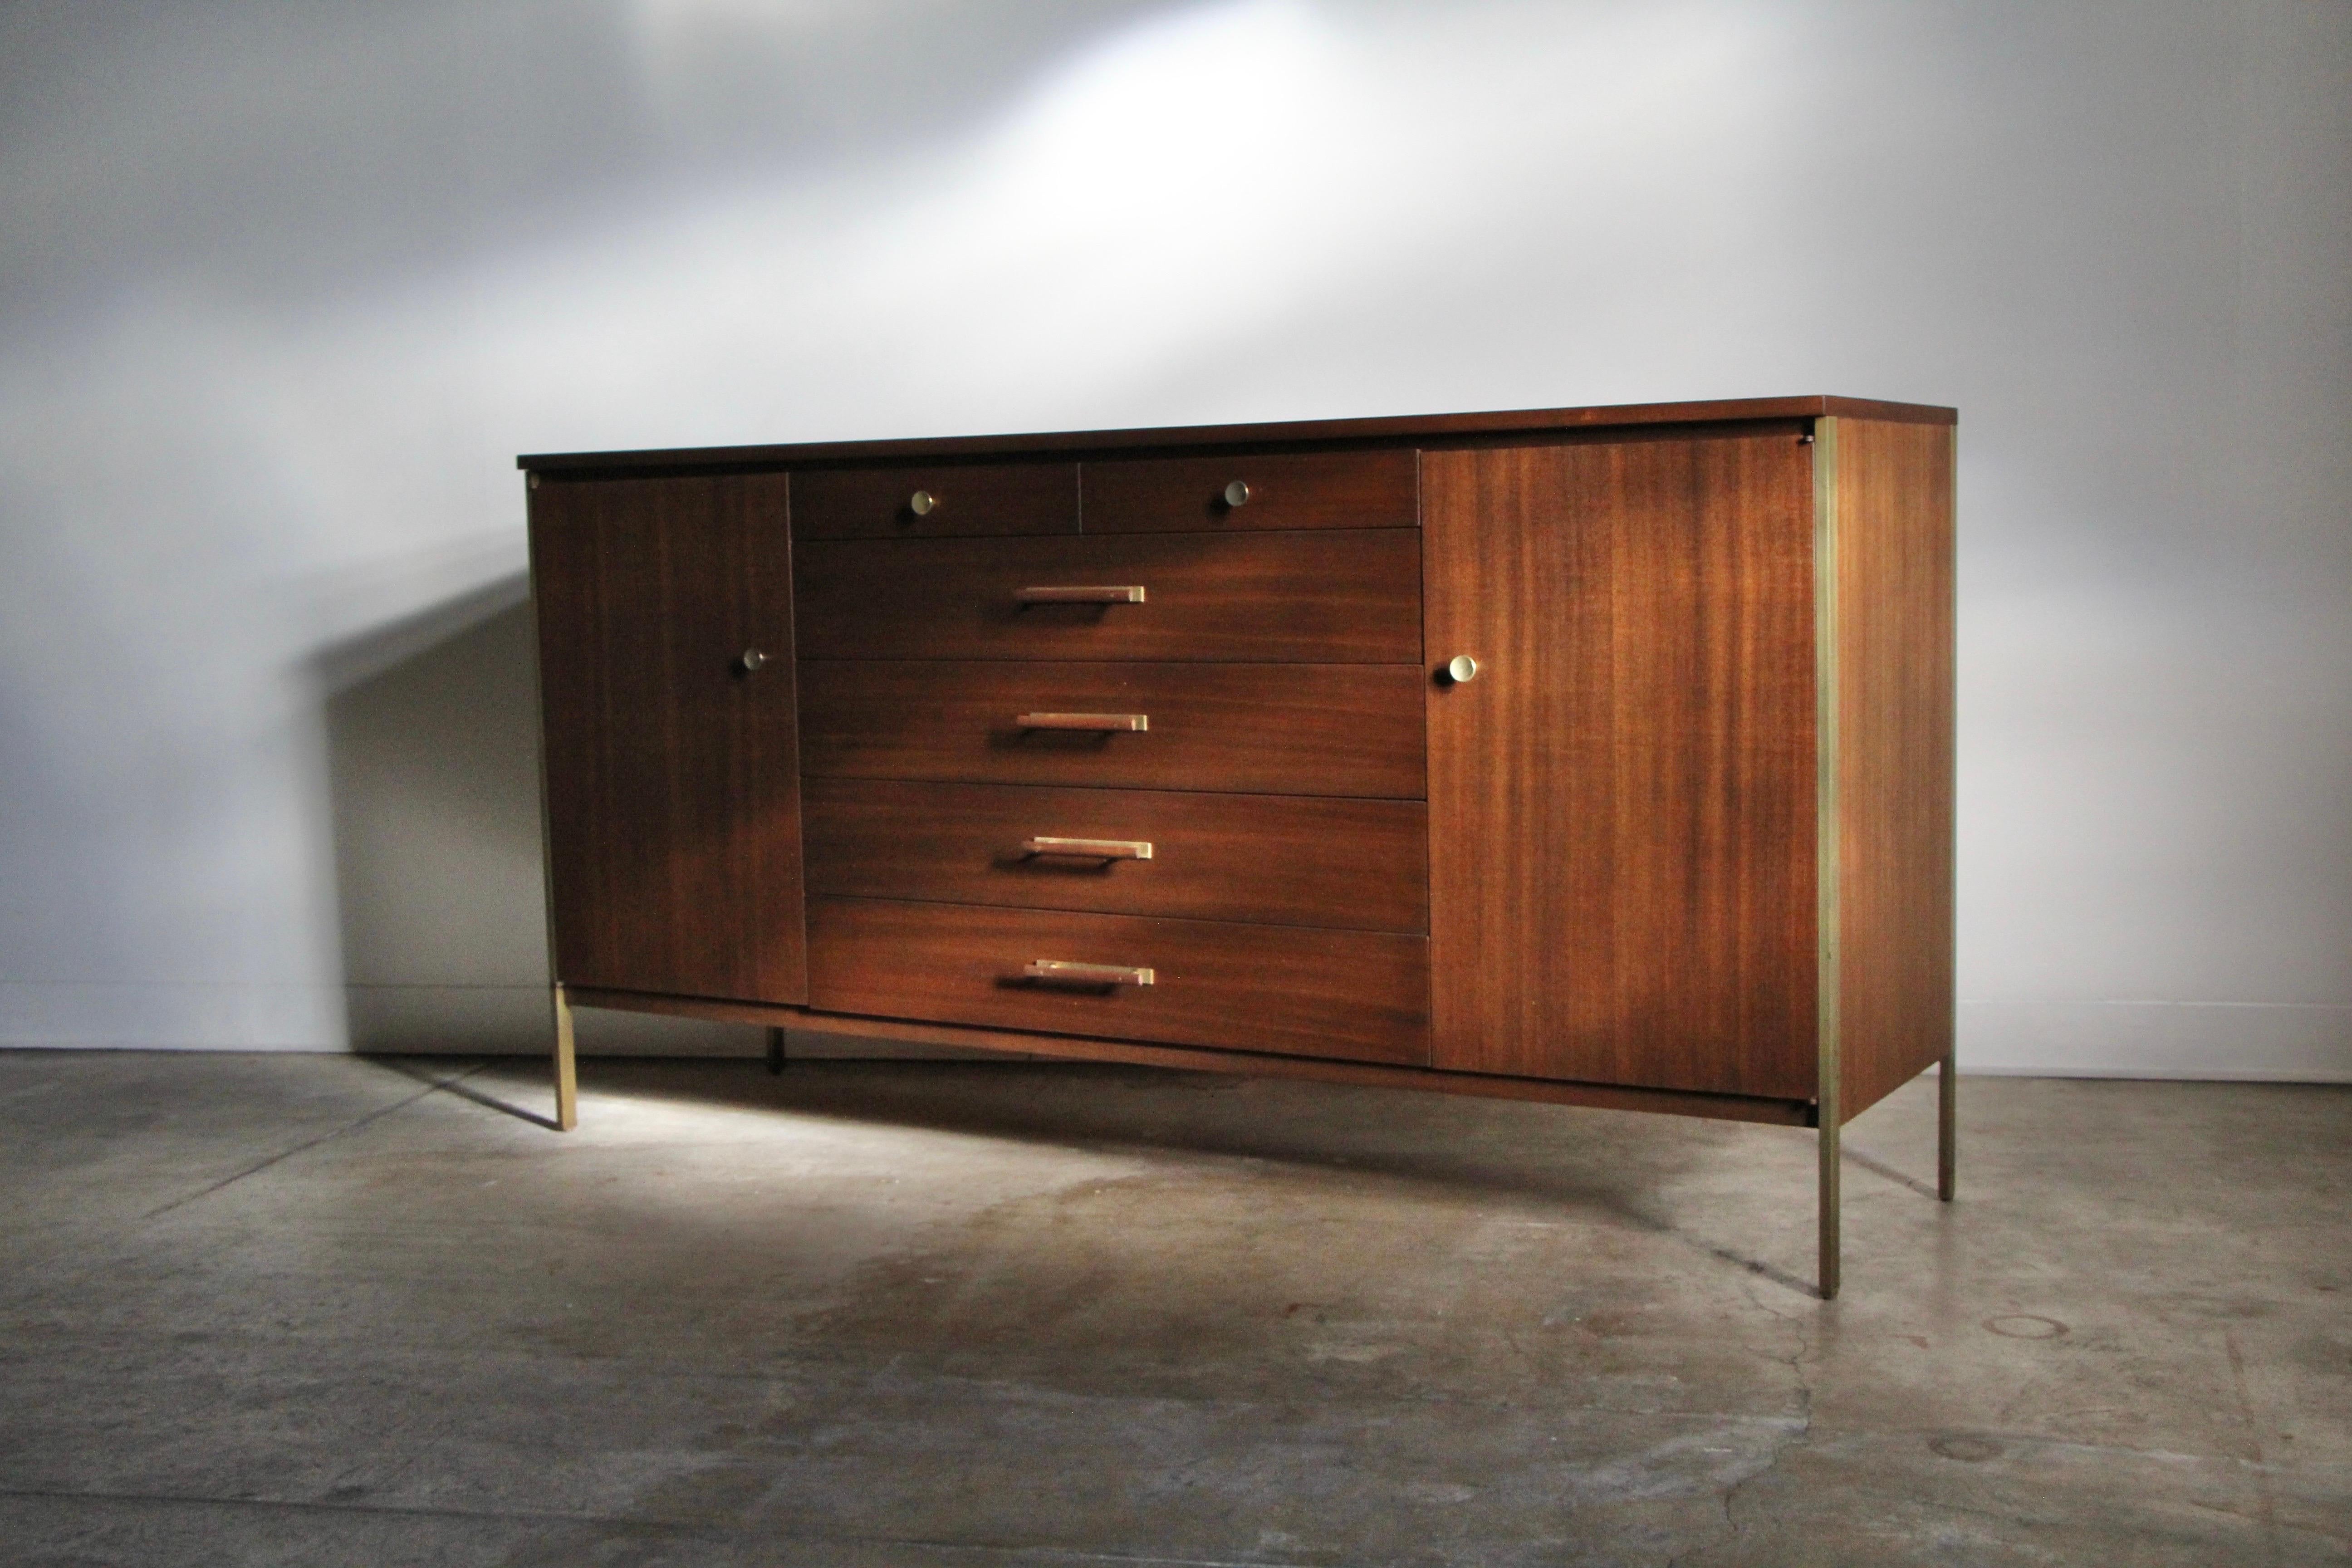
(1828, 1062)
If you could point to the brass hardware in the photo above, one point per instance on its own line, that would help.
(1461, 667)
(1237, 494)
(1106, 596)
(1090, 848)
(1109, 722)
(1086, 974)
(532, 482)
(754, 658)
(921, 502)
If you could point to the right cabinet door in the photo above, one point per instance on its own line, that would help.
(1621, 797)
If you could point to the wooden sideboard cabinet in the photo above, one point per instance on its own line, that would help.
(1600, 756)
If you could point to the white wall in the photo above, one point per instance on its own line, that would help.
(286, 286)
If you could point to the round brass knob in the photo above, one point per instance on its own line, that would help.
(1461, 667)
(754, 658)
(1237, 494)
(921, 502)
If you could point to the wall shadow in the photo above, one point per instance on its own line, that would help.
(433, 786)
(432, 790)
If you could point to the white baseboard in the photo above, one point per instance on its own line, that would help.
(172, 1015)
(2258, 1042)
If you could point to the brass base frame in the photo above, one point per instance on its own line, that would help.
(1948, 1127)
(567, 1068)
(1829, 1062)
(567, 1086)
(1828, 1068)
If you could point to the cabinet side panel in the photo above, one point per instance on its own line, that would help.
(1622, 800)
(1896, 711)
(673, 782)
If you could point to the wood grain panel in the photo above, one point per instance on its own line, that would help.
(1622, 801)
(1896, 719)
(1360, 865)
(969, 498)
(1375, 489)
(673, 790)
(1288, 990)
(1252, 729)
(1348, 597)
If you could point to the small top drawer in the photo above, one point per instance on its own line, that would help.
(934, 501)
(1287, 490)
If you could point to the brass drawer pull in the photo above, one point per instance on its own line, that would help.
(1109, 722)
(1091, 848)
(1130, 595)
(1086, 974)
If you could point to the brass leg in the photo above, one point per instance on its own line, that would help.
(775, 1050)
(1829, 878)
(567, 1076)
(1948, 1127)
(1829, 1194)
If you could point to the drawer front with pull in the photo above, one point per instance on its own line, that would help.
(1290, 489)
(1358, 865)
(920, 501)
(1332, 597)
(1253, 729)
(1354, 995)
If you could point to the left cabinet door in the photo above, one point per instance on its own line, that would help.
(665, 612)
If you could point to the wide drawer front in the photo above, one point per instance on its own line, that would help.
(1289, 489)
(1252, 729)
(917, 500)
(1358, 865)
(1288, 990)
(1337, 597)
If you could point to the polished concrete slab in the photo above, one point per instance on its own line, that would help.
(319, 1309)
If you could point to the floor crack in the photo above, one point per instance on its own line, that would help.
(284, 1154)
(1795, 1362)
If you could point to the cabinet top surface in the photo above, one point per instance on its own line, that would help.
(1407, 427)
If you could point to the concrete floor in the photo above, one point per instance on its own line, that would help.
(321, 1310)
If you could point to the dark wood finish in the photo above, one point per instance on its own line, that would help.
(1278, 859)
(1288, 990)
(974, 499)
(1895, 711)
(1287, 490)
(673, 790)
(1408, 429)
(1717, 1107)
(1252, 729)
(1350, 597)
(1621, 802)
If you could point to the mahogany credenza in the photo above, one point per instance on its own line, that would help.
(1602, 756)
